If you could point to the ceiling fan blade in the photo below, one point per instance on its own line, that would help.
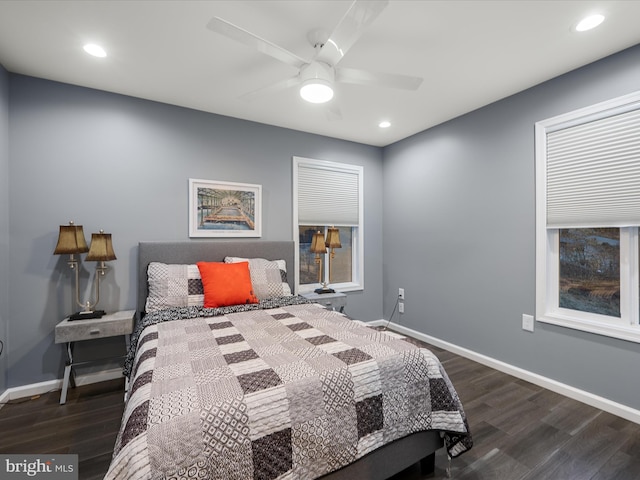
(271, 89)
(239, 34)
(390, 80)
(360, 15)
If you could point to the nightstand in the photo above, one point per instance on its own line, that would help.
(336, 300)
(69, 332)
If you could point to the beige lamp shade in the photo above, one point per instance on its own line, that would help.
(333, 238)
(317, 244)
(71, 240)
(101, 249)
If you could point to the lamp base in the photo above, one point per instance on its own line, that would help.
(87, 315)
(322, 290)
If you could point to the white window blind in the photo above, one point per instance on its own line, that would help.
(593, 173)
(328, 195)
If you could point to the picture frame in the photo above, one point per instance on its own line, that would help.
(224, 209)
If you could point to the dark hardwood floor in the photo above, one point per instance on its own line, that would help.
(525, 432)
(521, 431)
(86, 425)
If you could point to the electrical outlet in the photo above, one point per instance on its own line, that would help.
(527, 322)
(401, 293)
(401, 307)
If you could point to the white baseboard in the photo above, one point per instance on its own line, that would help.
(52, 385)
(583, 396)
(4, 398)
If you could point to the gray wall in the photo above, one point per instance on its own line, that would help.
(122, 164)
(4, 221)
(459, 234)
(458, 215)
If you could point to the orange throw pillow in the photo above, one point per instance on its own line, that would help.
(226, 284)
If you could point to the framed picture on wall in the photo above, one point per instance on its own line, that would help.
(224, 209)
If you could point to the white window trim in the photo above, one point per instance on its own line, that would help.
(357, 264)
(547, 245)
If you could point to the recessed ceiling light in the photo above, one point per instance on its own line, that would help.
(587, 23)
(95, 50)
(384, 124)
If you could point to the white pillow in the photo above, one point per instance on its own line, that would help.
(173, 285)
(269, 277)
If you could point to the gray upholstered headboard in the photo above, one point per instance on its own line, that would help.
(208, 251)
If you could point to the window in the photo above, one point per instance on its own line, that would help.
(587, 219)
(590, 270)
(328, 194)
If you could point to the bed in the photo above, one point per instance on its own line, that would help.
(278, 389)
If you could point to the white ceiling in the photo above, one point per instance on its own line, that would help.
(470, 54)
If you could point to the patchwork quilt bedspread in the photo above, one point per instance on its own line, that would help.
(294, 391)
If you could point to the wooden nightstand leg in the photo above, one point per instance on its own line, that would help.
(67, 374)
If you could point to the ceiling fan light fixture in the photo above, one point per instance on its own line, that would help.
(316, 90)
(317, 82)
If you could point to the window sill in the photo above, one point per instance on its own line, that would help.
(629, 333)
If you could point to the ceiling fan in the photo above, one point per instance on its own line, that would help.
(317, 76)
